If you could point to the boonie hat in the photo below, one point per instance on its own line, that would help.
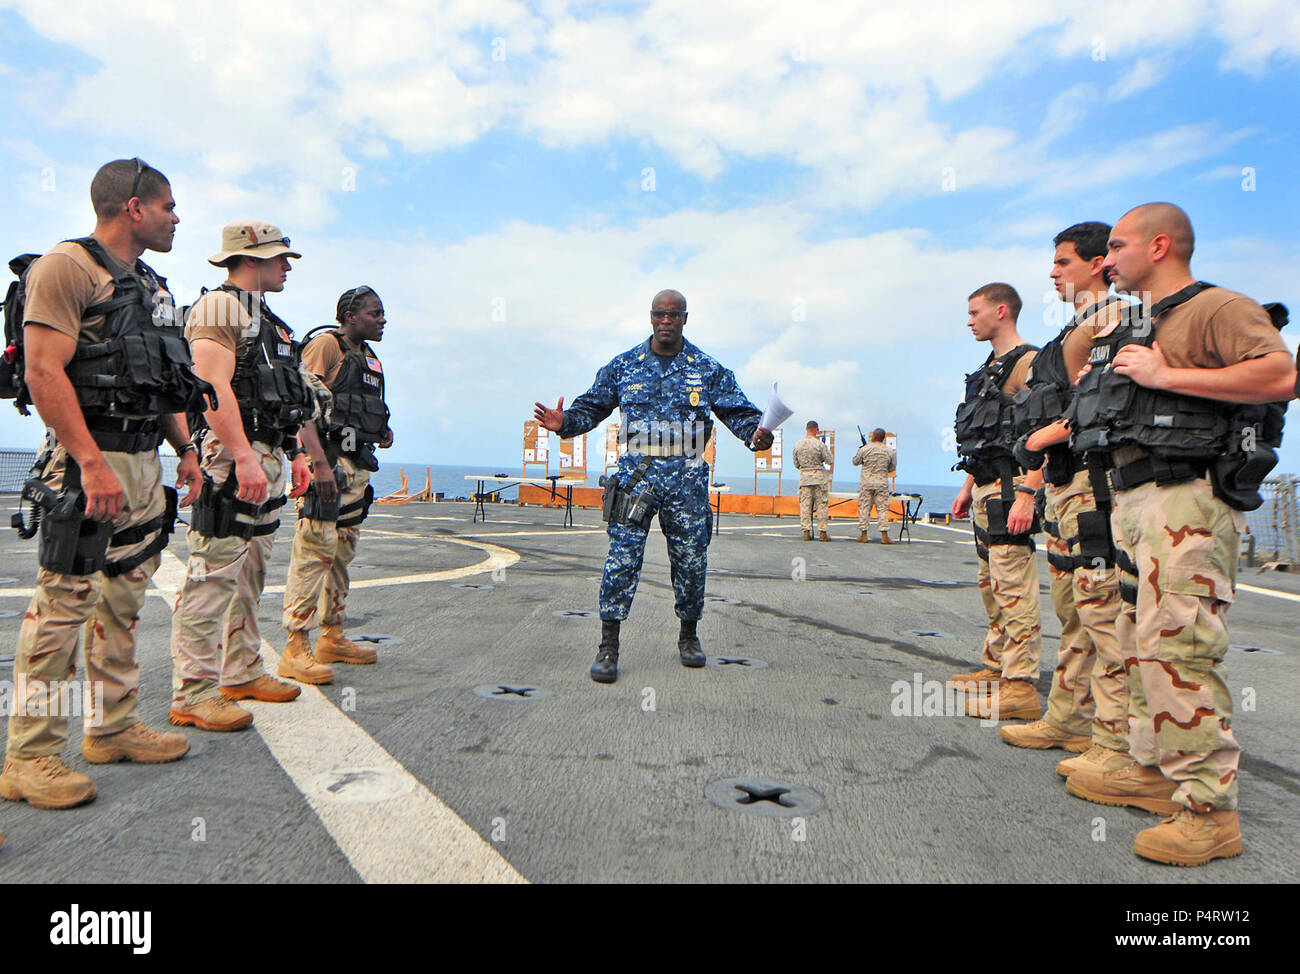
(251, 238)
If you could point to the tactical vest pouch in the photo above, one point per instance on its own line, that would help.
(1237, 476)
(320, 510)
(70, 542)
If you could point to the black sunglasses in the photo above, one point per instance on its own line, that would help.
(357, 293)
(263, 243)
(140, 167)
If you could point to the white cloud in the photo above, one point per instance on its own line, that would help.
(1145, 73)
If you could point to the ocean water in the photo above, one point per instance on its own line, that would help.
(450, 481)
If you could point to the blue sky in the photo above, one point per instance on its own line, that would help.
(517, 180)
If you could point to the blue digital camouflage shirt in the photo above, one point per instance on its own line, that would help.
(683, 397)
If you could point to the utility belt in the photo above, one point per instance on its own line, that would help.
(73, 544)
(631, 500)
(985, 471)
(274, 437)
(1164, 471)
(1096, 543)
(1235, 476)
(218, 513)
(117, 435)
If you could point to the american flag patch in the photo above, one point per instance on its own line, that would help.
(374, 364)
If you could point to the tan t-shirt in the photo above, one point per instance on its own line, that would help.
(1215, 329)
(221, 317)
(1019, 374)
(65, 282)
(1078, 342)
(323, 357)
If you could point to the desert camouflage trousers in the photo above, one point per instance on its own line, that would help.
(103, 611)
(1089, 693)
(1183, 542)
(877, 495)
(216, 640)
(1008, 583)
(814, 500)
(318, 567)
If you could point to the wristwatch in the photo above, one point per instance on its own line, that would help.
(185, 448)
(1026, 490)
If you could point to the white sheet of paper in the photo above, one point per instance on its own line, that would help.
(776, 413)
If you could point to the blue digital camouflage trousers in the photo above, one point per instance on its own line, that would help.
(682, 493)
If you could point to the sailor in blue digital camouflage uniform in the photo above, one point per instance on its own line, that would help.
(665, 388)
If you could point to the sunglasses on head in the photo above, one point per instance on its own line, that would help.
(263, 243)
(140, 168)
(357, 294)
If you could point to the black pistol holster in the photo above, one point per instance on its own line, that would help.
(70, 542)
(630, 502)
(216, 512)
(998, 508)
(320, 510)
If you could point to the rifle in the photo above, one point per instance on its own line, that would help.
(860, 435)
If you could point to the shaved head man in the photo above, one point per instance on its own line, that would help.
(1150, 246)
(1172, 404)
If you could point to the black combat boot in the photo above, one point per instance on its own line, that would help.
(605, 669)
(688, 645)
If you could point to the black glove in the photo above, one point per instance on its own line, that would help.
(1027, 458)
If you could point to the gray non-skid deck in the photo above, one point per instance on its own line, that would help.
(590, 784)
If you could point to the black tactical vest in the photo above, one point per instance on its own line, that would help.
(985, 423)
(1046, 397)
(274, 399)
(1110, 410)
(143, 366)
(359, 418)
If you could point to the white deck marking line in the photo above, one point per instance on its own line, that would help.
(1257, 590)
(409, 837)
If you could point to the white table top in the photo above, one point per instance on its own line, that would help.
(561, 480)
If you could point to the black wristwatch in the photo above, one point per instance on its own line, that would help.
(185, 448)
(1026, 490)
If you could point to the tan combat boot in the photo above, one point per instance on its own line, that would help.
(824, 537)
(807, 535)
(1042, 736)
(1189, 838)
(1132, 784)
(863, 538)
(984, 676)
(139, 743)
(334, 647)
(45, 782)
(886, 539)
(1004, 700)
(297, 662)
(213, 714)
(1096, 758)
(263, 688)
